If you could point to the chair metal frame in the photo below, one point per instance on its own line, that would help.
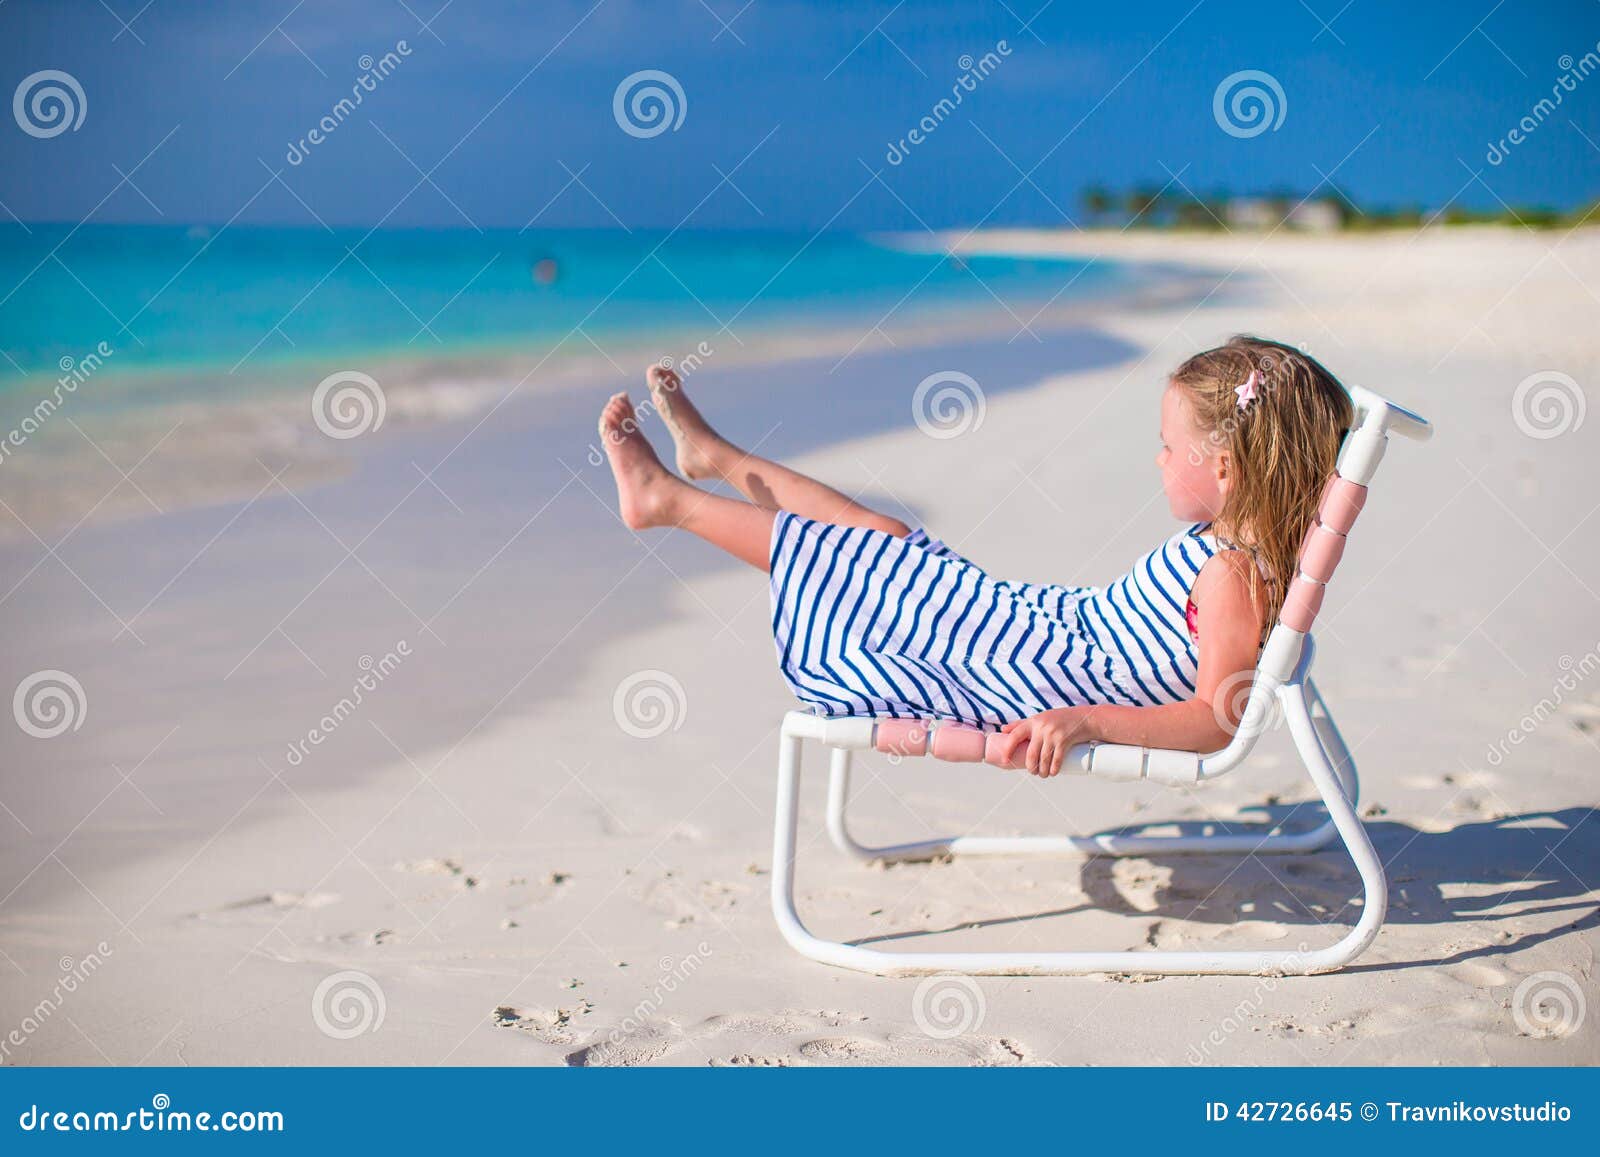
(1282, 681)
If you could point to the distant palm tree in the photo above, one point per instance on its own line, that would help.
(1347, 209)
(1097, 201)
(1141, 203)
(1193, 213)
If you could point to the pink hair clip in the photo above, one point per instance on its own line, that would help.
(1247, 392)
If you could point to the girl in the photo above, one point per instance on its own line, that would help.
(874, 618)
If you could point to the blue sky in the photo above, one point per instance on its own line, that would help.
(508, 109)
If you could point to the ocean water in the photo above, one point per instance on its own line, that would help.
(231, 308)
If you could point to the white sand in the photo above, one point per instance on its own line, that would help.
(526, 883)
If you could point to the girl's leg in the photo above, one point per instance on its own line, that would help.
(650, 495)
(703, 453)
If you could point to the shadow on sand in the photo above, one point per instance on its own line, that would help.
(1515, 867)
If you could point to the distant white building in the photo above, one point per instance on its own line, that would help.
(1262, 213)
(1251, 213)
(1316, 217)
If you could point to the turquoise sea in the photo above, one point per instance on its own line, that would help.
(230, 308)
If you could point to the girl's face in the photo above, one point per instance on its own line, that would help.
(1193, 468)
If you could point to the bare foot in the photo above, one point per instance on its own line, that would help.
(698, 445)
(645, 488)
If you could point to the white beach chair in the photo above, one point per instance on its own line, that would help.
(1282, 674)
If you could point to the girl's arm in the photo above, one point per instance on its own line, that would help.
(1229, 627)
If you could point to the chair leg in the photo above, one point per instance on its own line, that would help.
(1333, 744)
(1312, 741)
(839, 828)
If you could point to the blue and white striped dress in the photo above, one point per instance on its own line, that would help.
(870, 624)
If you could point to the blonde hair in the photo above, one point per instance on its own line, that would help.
(1281, 448)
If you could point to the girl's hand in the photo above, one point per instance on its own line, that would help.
(1048, 736)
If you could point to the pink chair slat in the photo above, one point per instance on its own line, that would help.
(1342, 500)
(958, 743)
(1320, 553)
(1301, 604)
(991, 753)
(902, 736)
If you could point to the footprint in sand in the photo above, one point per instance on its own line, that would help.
(1140, 883)
(845, 1051)
(551, 1026)
(269, 905)
(1584, 715)
(618, 1049)
(789, 1038)
(446, 866)
(1243, 933)
(681, 902)
(745, 1060)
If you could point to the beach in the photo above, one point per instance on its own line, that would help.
(401, 749)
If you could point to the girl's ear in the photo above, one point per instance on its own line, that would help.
(1222, 470)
